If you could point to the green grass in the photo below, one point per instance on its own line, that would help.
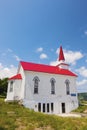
(81, 109)
(16, 117)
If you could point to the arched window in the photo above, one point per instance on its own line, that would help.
(36, 84)
(67, 87)
(11, 86)
(52, 85)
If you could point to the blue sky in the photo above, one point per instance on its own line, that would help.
(33, 30)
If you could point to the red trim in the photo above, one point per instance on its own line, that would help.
(18, 76)
(28, 66)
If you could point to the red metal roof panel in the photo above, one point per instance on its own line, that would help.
(18, 76)
(46, 68)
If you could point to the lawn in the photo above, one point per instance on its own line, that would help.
(16, 117)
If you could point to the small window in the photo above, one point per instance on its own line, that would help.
(47, 107)
(67, 87)
(52, 86)
(43, 107)
(36, 84)
(11, 86)
(52, 107)
(39, 107)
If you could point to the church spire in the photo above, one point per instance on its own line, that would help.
(61, 59)
(61, 55)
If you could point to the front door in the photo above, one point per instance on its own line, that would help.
(63, 107)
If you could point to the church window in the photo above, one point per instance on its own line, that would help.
(47, 107)
(43, 107)
(52, 86)
(39, 107)
(67, 87)
(52, 107)
(36, 84)
(11, 86)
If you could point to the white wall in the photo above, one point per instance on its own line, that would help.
(22, 89)
(45, 85)
(14, 95)
(10, 95)
(44, 95)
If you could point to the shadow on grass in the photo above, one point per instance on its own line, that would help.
(1, 128)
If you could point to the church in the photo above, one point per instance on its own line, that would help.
(44, 88)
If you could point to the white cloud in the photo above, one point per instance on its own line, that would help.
(54, 63)
(82, 83)
(6, 52)
(17, 58)
(7, 71)
(82, 71)
(71, 56)
(85, 32)
(10, 54)
(43, 56)
(40, 49)
(9, 50)
(1, 66)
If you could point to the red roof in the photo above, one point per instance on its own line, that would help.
(61, 55)
(18, 76)
(28, 66)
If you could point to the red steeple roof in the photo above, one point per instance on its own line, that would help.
(61, 55)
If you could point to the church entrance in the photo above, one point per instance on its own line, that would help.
(46, 107)
(63, 107)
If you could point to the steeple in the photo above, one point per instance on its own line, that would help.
(61, 60)
(61, 55)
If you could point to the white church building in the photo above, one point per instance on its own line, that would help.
(44, 88)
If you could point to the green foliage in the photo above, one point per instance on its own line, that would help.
(81, 109)
(16, 117)
(3, 86)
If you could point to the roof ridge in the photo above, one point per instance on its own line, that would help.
(37, 63)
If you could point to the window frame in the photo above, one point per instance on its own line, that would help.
(11, 86)
(67, 82)
(36, 84)
(52, 107)
(52, 80)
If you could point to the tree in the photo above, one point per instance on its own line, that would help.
(3, 86)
